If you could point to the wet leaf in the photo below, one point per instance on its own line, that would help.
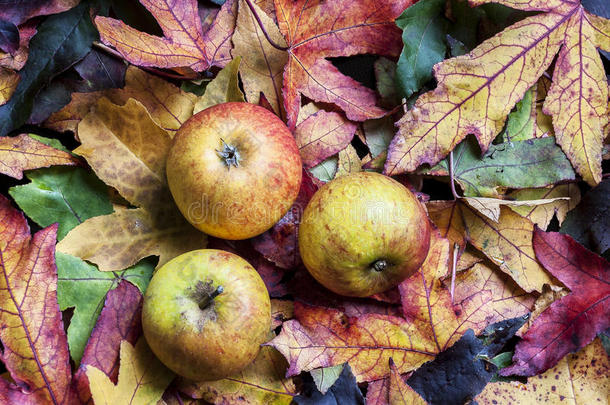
(142, 377)
(35, 348)
(23, 152)
(314, 33)
(184, 43)
(573, 321)
(120, 320)
(476, 91)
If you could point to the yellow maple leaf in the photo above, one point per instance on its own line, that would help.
(142, 378)
(476, 91)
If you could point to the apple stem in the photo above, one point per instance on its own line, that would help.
(207, 300)
(380, 265)
(229, 154)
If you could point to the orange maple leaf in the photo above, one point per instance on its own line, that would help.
(184, 44)
(315, 30)
(476, 91)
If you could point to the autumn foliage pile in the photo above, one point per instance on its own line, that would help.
(495, 115)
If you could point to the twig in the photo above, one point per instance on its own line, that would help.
(456, 249)
(452, 177)
(158, 72)
(262, 27)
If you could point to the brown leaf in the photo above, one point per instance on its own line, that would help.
(22, 152)
(262, 64)
(320, 29)
(35, 347)
(322, 135)
(119, 320)
(184, 43)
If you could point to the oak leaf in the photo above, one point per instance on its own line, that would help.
(137, 170)
(573, 321)
(22, 152)
(142, 377)
(35, 347)
(184, 43)
(578, 379)
(120, 320)
(318, 30)
(476, 91)
(262, 65)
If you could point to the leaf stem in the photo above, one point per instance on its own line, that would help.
(262, 27)
(157, 72)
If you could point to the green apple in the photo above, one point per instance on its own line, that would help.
(234, 170)
(206, 313)
(362, 234)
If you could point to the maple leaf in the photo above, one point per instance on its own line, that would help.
(137, 170)
(35, 348)
(142, 377)
(25, 153)
(315, 30)
(578, 379)
(322, 337)
(477, 91)
(399, 392)
(261, 382)
(119, 320)
(572, 321)
(262, 64)
(184, 43)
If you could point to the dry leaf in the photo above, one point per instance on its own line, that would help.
(542, 215)
(490, 207)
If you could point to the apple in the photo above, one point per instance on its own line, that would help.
(234, 170)
(362, 234)
(205, 314)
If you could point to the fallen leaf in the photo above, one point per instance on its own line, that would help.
(476, 91)
(573, 321)
(314, 32)
(589, 222)
(490, 207)
(120, 319)
(9, 36)
(61, 41)
(139, 149)
(399, 393)
(520, 123)
(578, 379)
(261, 382)
(83, 287)
(447, 217)
(385, 79)
(423, 35)
(377, 392)
(184, 43)
(102, 70)
(378, 134)
(224, 88)
(19, 12)
(35, 348)
(142, 378)
(349, 161)
(325, 377)
(22, 152)
(325, 171)
(343, 391)
(8, 83)
(542, 215)
(507, 243)
(540, 163)
(281, 310)
(322, 135)
(64, 195)
(280, 243)
(262, 64)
